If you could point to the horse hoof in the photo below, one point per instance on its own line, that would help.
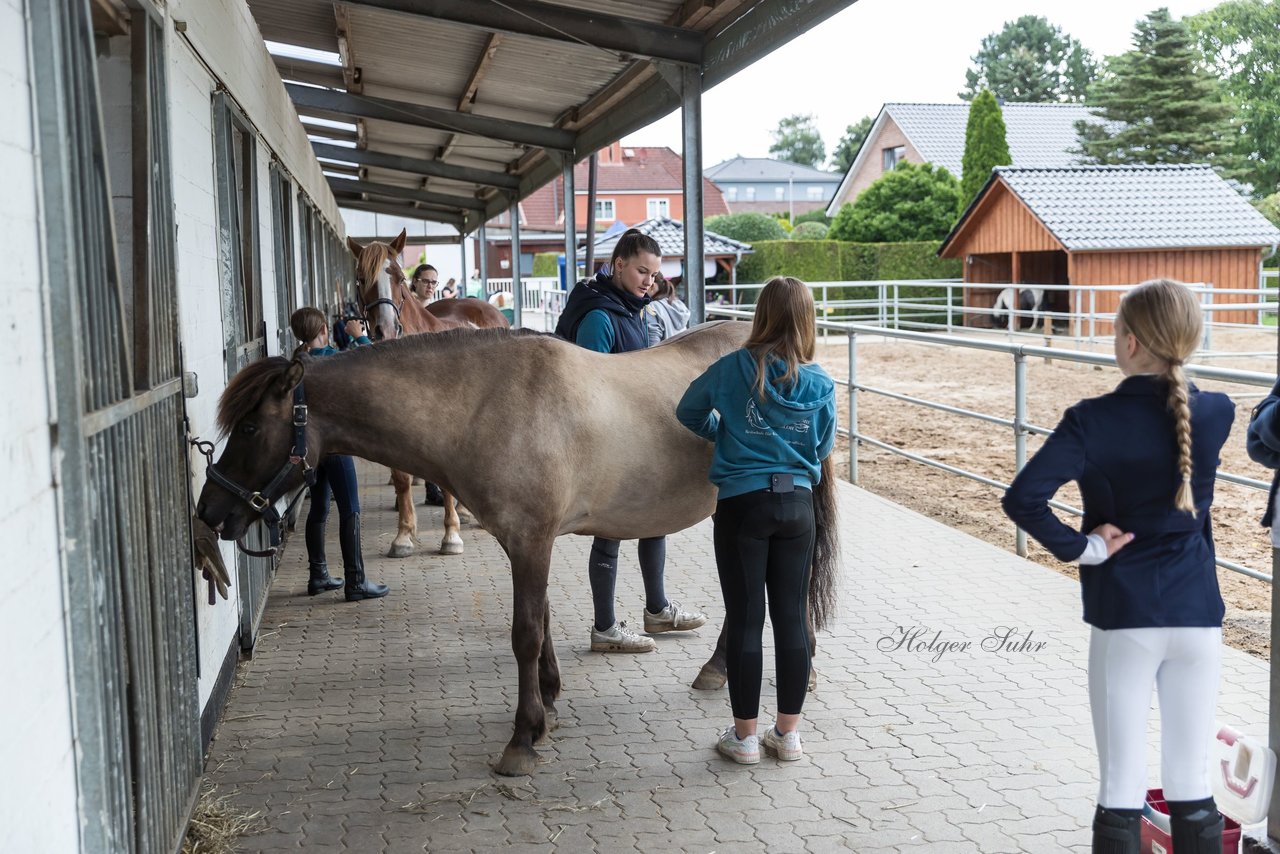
(398, 550)
(813, 681)
(710, 679)
(552, 718)
(448, 548)
(517, 762)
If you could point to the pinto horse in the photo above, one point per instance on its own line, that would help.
(1013, 305)
(600, 454)
(393, 311)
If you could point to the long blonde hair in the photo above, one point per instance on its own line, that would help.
(783, 327)
(1165, 318)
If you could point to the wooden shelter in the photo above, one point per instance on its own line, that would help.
(1109, 225)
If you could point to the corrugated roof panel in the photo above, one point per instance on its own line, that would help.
(1139, 207)
(523, 75)
(309, 23)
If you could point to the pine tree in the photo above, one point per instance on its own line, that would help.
(985, 146)
(1169, 107)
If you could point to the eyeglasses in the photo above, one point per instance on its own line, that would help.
(431, 282)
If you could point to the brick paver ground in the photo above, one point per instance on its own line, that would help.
(372, 726)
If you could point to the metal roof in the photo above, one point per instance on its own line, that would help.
(767, 169)
(670, 236)
(1134, 207)
(454, 102)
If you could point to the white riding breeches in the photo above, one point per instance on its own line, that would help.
(1183, 664)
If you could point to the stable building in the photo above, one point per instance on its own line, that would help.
(1109, 225)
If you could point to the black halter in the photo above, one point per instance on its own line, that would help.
(394, 307)
(263, 501)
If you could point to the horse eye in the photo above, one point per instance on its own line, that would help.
(248, 429)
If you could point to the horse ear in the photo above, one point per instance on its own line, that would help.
(355, 247)
(397, 245)
(293, 376)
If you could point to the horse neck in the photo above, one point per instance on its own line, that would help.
(358, 408)
(413, 317)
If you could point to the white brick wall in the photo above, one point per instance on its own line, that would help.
(39, 802)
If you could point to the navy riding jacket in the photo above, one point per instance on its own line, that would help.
(1263, 444)
(1121, 450)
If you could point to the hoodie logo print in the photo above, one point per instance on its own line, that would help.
(756, 425)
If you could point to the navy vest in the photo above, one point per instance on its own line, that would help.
(625, 311)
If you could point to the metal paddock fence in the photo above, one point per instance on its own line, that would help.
(1019, 425)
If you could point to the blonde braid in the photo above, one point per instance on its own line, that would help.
(1180, 406)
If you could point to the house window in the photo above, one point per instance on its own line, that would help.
(604, 210)
(779, 193)
(813, 194)
(731, 194)
(658, 209)
(751, 194)
(893, 155)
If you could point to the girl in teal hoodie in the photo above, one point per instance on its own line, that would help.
(772, 415)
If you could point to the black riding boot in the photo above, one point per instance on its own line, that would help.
(320, 580)
(1114, 833)
(1197, 827)
(434, 496)
(358, 587)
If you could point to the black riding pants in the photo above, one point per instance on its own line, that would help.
(764, 543)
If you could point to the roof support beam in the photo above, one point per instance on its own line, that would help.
(439, 200)
(416, 166)
(331, 133)
(468, 99)
(519, 133)
(765, 28)
(356, 203)
(559, 23)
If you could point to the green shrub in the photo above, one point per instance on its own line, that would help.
(838, 261)
(546, 264)
(815, 215)
(809, 231)
(912, 202)
(747, 227)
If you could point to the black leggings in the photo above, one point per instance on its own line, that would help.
(764, 541)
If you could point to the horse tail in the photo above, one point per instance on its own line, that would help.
(826, 548)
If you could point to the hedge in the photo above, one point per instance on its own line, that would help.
(840, 261)
(546, 264)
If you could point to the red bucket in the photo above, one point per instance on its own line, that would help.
(1156, 841)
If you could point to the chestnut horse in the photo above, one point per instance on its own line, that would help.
(393, 311)
(598, 447)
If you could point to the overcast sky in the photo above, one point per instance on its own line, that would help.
(877, 51)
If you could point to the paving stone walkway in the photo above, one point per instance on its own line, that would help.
(372, 726)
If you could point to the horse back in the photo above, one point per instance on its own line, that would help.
(468, 310)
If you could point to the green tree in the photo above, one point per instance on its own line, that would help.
(815, 215)
(847, 148)
(1030, 61)
(985, 146)
(797, 140)
(747, 227)
(1270, 208)
(1161, 103)
(1241, 39)
(913, 202)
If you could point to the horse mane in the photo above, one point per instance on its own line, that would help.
(369, 264)
(246, 389)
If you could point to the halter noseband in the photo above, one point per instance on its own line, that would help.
(263, 501)
(394, 307)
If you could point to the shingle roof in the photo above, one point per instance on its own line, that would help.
(1039, 135)
(766, 169)
(670, 236)
(1138, 207)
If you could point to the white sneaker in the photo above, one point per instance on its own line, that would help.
(786, 747)
(744, 751)
(672, 619)
(618, 638)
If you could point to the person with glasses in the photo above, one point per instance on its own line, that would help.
(423, 284)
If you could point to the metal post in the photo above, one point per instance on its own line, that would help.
(482, 249)
(691, 119)
(570, 227)
(949, 298)
(592, 163)
(1020, 429)
(517, 287)
(897, 318)
(1093, 313)
(853, 407)
(463, 280)
(1206, 343)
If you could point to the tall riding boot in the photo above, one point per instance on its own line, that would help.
(320, 580)
(358, 587)
(1114, 833)
(1197, 826)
